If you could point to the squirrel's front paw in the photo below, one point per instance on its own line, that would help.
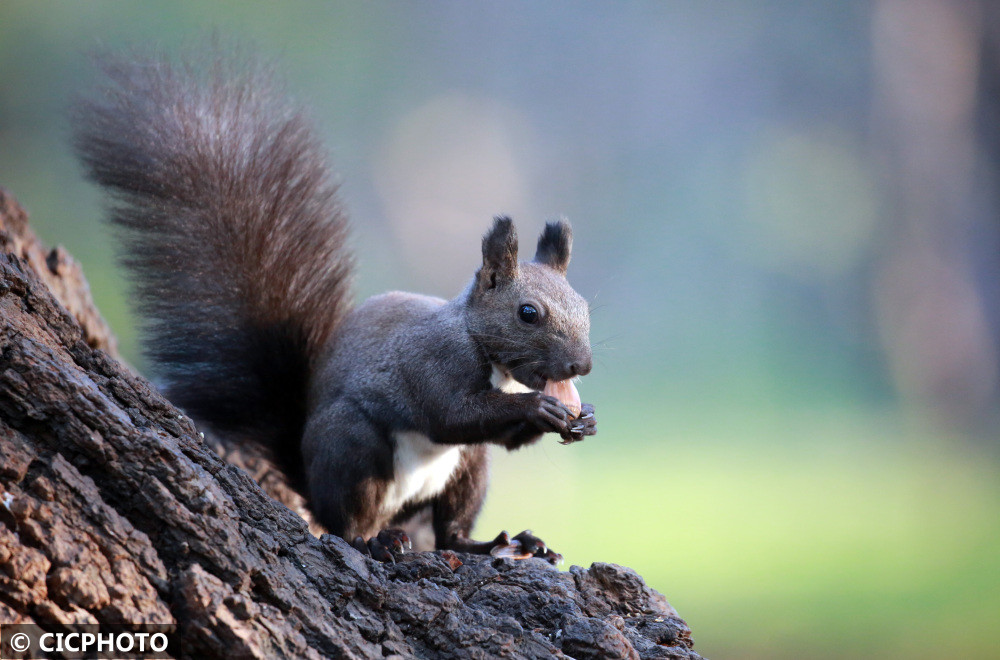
(383, 547)
(584, 425)
(548, 413)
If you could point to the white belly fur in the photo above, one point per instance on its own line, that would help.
(422, 468)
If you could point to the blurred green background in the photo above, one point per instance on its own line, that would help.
(786, 219)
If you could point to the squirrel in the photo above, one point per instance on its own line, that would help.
(236, 243)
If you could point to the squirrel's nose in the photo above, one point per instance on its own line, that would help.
(579, 367)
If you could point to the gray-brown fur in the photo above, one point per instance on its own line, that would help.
(235, 238)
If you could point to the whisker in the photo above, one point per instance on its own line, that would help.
(602, 343)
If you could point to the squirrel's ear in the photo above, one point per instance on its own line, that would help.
(499, 254)
(554, 246)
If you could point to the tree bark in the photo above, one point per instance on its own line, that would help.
(113, 509)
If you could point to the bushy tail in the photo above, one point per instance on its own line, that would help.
(233, 235)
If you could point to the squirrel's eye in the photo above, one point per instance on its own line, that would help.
(528, 313)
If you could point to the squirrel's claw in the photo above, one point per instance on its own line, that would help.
(524, 546)
(395, 539)
(584, 425)
(531, 543)
(384, 546)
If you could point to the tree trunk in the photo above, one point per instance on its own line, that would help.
(113, 509)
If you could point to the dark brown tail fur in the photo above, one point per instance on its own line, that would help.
(233, 235)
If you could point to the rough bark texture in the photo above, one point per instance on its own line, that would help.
(113, 509)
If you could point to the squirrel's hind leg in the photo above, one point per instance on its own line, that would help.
(456, 508)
